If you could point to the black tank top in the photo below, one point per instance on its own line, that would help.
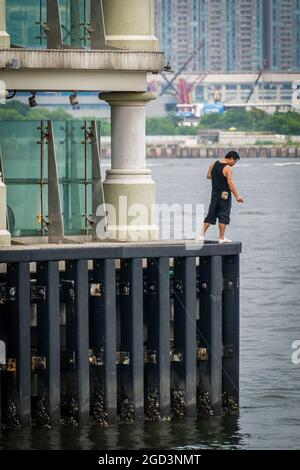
(219, 182)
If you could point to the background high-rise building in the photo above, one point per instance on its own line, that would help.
(237, 35)
(282, 34)
(177, 25)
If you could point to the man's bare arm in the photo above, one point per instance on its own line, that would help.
(209, 176)
(231, 184)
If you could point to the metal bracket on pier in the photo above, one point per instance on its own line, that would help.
(38, 363)
(150, 287)
(202, 354)
(96, 359)
(37, 293)
(228, 350)
(123, 288)
(123, 358)
(176, 286)
(11, 365)
(7, 294)
(176, 356)
(230, 283)
(96, 289)
(150, 357)
(202, 285)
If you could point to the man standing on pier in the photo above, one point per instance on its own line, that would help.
(221, 174)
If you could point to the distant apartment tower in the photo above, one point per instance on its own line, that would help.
(249, 35)
(232, 32)
(282, 34)
(177, 25)
(237, 35)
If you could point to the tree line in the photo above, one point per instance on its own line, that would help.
(254, 120)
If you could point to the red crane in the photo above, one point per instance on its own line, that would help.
(170, 83)
(185, 90)
(184, 95)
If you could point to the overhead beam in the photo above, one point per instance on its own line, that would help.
(81, 81)
(74, 59)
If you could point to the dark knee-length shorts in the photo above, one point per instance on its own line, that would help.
(219, 209)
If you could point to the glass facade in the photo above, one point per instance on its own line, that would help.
(27, 19)
(25, 168)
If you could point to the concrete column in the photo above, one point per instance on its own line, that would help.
(129, 24)
(5, 238)
(128, 186)
(4, 37)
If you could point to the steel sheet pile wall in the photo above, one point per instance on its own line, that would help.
(121, 332)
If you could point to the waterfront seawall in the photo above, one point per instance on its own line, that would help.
(181, 151)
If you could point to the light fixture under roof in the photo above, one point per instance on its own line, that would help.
(73, 99)
(32, 100)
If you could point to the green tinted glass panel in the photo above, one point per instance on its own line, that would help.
(74, 171)
(25, 168)
(21, 168)
(23, 18)
(23, 217)
(75, 20)
(26, 22)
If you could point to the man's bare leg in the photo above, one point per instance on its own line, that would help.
(204, 229)
(222, 229)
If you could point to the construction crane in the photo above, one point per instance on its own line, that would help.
(261, 71)
(170, 83)
(185, 91)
